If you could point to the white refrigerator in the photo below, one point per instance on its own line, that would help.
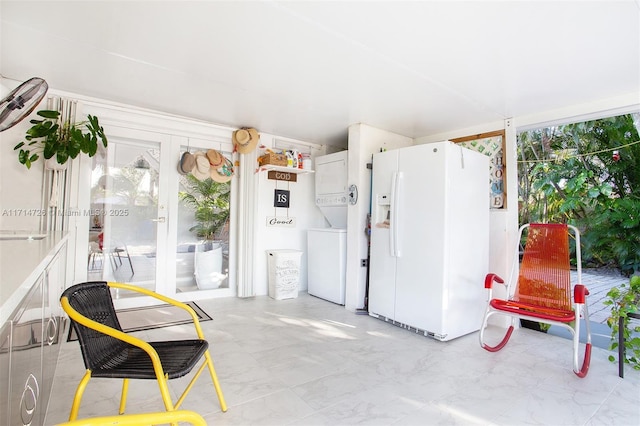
(430, 238)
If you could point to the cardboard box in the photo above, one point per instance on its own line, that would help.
(273, 159)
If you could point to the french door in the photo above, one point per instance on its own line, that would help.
(142, 229)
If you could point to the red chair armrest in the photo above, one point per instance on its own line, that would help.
(490, 278)
(580, 293)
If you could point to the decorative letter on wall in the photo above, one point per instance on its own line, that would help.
(281, 198)
(491, 144)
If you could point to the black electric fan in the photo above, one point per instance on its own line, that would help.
(21, 101)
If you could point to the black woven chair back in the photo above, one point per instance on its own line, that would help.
(93, 300)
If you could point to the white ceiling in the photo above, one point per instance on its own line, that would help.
(308, 70)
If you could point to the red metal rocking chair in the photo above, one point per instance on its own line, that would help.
(543, 290)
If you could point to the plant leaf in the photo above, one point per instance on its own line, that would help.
(62, 157)
(47, 113)
(49, 151)
(91, 145)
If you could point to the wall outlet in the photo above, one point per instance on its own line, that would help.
(364, 262)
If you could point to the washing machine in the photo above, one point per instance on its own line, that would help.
(327, 247)
(326, 263)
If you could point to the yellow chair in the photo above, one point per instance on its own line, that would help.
(108, 352)
(162, 417)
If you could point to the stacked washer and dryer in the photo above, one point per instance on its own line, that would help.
(327, 247)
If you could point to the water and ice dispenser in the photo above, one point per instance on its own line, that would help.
(382, 211)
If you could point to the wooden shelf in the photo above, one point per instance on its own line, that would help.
(284, 169)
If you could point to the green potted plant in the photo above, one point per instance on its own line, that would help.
(210, 202)
(52, 138)
(623, 300)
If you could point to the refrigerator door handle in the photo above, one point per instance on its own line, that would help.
(392, 215)
(395, 197)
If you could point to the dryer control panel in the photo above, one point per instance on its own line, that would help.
(331, 200)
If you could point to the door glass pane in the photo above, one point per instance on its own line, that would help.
(124, 211)
(203, 233)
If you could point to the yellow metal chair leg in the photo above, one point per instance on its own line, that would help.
(214, 378)
(189, 386)
(77, 398)
(164, 391)
(123, 397)
(216, 384)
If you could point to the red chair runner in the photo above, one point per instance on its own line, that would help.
(542, 292)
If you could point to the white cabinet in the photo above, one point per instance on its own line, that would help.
(25, 379)
(29, 347)
(54, 321)
(5, 368)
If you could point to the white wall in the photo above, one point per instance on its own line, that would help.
(301, 207)
(364, 141)
(20, 188)
(256, 235)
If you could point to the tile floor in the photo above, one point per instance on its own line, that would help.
(306, 361)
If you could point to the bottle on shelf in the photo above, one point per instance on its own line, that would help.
(306, 161)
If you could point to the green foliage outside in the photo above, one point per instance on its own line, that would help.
(623, 300)
(586, 174)
(210, 202)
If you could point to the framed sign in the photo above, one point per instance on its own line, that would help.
(491, 144)
(285, 176)
(286, 222)
(281, 198)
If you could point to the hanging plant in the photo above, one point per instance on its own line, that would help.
(49, 138)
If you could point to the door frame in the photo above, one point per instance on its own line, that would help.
(174, 132)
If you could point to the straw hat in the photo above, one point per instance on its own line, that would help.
(221, 168)
(186, 164)
(245, 139)
(202, 168)
(215, 158)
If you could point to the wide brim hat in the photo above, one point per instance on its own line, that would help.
(245, 140)
(201, 171)
(186, 164)
(216, 159)
(222, 171)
